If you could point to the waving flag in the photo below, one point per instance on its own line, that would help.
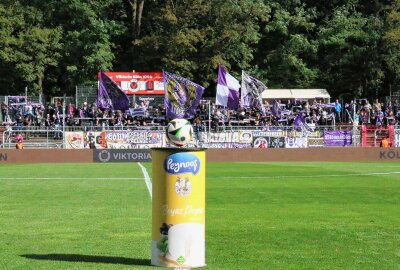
(251, 92)
(275, 108)
(110, 95)
(300, 123)
(227, 90)
(182, 97)
(299, 120)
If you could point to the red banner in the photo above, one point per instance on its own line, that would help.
(138, 83)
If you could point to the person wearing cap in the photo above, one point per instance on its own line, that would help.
(19, 145)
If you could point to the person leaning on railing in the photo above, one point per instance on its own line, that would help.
(19, 145)
(385, 143)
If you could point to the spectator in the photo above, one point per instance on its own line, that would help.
(19, 121)
(4, 112)
(377, 106)
(19, 145)
(367, 112)
(356, 119)
(71, 110)
(92, 144)
(48, 122)
(385, 143)
(338, 111)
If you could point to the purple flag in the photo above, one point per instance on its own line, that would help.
(227, 90)
(275, 108)
(182, 97)
(110, 95)
(299, 121)
(251, 92)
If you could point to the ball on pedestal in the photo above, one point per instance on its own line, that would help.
(179, 132)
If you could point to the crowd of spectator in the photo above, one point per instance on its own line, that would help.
(58, 114)
(276, 113)
(313, 114)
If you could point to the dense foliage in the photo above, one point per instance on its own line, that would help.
(350, 47)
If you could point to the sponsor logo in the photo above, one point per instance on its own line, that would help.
(183, 187)
(181, 260)
(104, 156)
(3, 157)
(182, 163)
(134, 84)
(122, 155)
(391, 154)
(260, 141)
(245, 137)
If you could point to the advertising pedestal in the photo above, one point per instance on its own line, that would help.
(178, 223)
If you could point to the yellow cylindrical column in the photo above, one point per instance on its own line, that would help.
(178, 224)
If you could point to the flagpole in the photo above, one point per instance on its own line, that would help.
(223, 118)
(209, 116)
(26, 99)
(63, 121)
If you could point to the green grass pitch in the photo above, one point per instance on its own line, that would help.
(258, 216)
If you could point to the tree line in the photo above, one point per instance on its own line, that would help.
(350, 47)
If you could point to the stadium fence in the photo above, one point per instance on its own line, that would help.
(126, 137)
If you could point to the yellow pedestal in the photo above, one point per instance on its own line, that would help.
(178, 232)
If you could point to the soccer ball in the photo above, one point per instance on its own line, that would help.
(179, 132)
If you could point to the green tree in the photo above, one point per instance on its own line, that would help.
(27, 45)
(192, 37)
(87, 35)
(287, 49)
(349, 54)
(344, 46)
(134, 10)
(392, 41)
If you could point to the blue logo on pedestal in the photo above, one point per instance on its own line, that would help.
(182, 163)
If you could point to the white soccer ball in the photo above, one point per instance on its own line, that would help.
(179, 132)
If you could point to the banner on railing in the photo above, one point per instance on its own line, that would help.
(98, 139)
(276, 142)
(270, 133)
(224, 145)
(74, 140)
(272, 139)
(315, 142)
(260, 142)
(305, 133)
(134, 139)
(338, 138)
(243, 137)
(82, 140)
(114, 139)
(139, 139)
(397, 137)
(268, 142)
(295, 142)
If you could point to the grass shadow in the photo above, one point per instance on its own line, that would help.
(88, 259)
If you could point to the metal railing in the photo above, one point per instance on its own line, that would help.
(54, 137)
(37, 138)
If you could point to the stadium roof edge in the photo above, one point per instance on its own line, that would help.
(295, 94)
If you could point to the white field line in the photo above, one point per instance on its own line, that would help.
(146, 179)
(149, 184)
(306, 176)
(70, 178)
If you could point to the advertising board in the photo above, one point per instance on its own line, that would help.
(138, 83)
